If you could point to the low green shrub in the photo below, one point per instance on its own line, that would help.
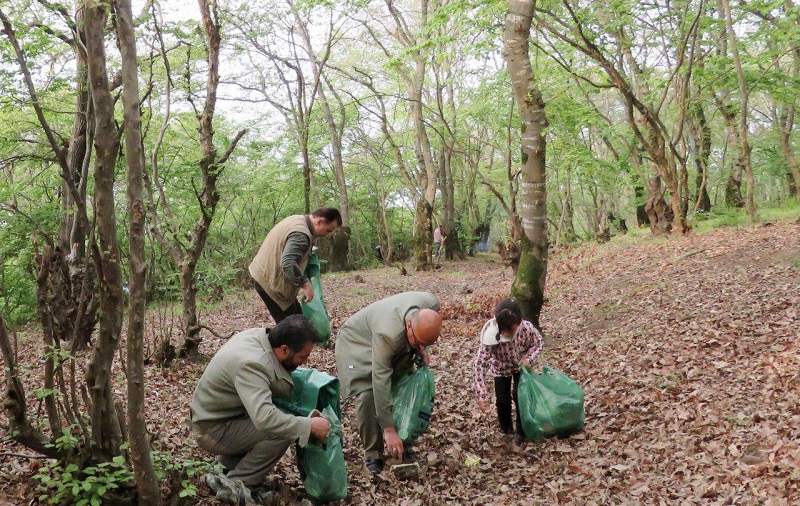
(81, 487)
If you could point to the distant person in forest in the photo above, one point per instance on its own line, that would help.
(232, 414)
(278, 269)
(382, 339)
(506, 343)
(437, 241)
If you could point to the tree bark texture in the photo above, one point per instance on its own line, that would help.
(14, 401)
(422, 235)
(211, 166)
(745, 149)
(701, 134)
(106, 430)
(528, 286)
(340, 241)
(793, 175)
(146, 481)
(71, 297)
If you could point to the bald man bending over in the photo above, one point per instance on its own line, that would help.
(382, 339)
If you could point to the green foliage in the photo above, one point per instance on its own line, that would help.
(720, 217)
(87, 486)
(181, 471)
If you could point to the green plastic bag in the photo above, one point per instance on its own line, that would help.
(551, 404)
(322, 464)
(412, 395)
(313, 389)
(315, 310)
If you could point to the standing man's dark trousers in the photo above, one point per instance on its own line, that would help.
(274, 309)
(504, 392)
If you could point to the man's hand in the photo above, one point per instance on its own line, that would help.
(319, 427)
(483, 405)
(425, 357)
(308, 291)
(394, 445)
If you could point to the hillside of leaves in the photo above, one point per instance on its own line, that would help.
(688, 349)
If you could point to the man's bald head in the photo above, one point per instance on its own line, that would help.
(423, 327)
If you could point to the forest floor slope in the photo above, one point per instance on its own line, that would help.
(688, 349)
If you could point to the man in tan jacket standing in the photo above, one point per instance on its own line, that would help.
(278, 267)
(382, 339)
(232, 414)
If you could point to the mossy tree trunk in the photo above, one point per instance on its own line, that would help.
(528, 286)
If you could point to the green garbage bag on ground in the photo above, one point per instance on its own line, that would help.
(322, 463)
(551, 404)
(412, 396)
(315, 310)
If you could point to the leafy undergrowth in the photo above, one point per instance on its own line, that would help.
(688, 350)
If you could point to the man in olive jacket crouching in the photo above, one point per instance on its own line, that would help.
(232, 413)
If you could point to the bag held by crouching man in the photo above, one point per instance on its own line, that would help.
(321, 463)
(412, 395)
(551, 404)
(316, 310)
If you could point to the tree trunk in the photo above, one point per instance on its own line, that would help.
(339, 258)
(146, 481)
(422, 235)
(211, 166)
(659, 213)
(786, 124)
(106, 429)
(191, 329)
(424, 210)
(528, 286)
(642, 218)
(340, 241)
(71, 296)
(14, 402)
(701, 136)
(744, 145)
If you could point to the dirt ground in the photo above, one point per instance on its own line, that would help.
(688, 350)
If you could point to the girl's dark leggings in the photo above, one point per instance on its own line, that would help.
(504, 390)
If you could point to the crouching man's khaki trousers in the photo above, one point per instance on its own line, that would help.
(247, 452)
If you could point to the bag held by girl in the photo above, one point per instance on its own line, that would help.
(551, 404)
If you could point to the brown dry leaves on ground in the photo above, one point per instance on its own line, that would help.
(688, 350)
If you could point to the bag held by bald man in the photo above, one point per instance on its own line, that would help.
(550, 404)
(412, 395)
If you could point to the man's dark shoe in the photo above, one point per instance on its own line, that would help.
(375, 466)
(409, 456)
(227, 490)
(264, 495)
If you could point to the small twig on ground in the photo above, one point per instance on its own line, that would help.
(687, 255)
(221, 336)
(24, 456)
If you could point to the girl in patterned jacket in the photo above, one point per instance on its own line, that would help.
(506, 343)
